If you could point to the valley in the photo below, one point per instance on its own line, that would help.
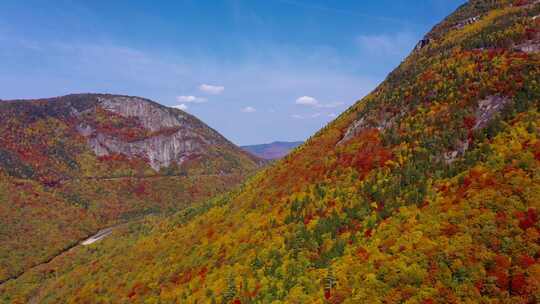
(61, 185)
(427, 190)
(272, 151)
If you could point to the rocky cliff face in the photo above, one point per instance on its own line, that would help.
(153, 117)
(74, 164)
(173, 135)
(50, 134)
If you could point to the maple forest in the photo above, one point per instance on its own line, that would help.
(425, 191)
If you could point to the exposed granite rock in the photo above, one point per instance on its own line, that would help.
(530, 46)
(383, 122)
(461, 148)
(353, 130)
(466, 22)
(422, 43)
(487, 109)
(160, 149)
(107, 125)
(153, 117)
(427, 40)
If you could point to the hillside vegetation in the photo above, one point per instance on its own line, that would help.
(75, 164)
(426, 191)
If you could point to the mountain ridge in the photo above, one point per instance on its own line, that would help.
(73, 164)
(153, 117)
(273, 150)
(425, 191)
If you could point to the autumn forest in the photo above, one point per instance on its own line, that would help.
(425, 191)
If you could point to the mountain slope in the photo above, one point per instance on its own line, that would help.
(71, 165)
(43, 138)
(425, 191)
(274, 150)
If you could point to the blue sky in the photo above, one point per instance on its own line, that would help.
(255, 70)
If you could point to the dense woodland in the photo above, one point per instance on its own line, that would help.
(54, 190)
(426, 191)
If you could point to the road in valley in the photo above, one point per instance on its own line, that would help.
(100, 235)
(103, 233)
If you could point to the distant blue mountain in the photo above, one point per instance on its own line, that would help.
(274, 150)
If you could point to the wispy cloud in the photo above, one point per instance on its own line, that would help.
(307, 101)
(248, 110)
(211, 89)
(190, 99)
(313, 102)
(265, 78)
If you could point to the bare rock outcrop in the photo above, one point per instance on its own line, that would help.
(353, 130)
(422, 43)
(384, 121)
(460, 148)
(466, 22)
(532, 44)
(188, 139)
(487, 109)
(160, 151)
(153, 117)
(529, 46)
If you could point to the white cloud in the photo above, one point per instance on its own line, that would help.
(211, 89)
(249, 110)
(307, 101)
(269, 75)
(190, 99)
(307, 116)
(181, 106)
(313, 102)
(332, 115)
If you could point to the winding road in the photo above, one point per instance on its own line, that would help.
(101, 234)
